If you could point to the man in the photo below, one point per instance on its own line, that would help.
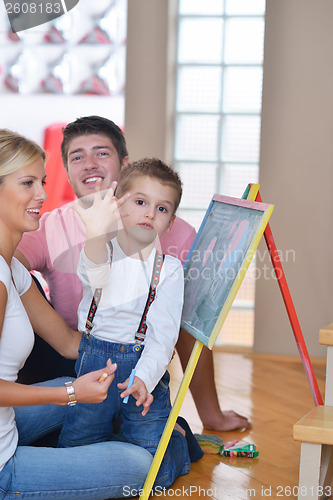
(94, 149)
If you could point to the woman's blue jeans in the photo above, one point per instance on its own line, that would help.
(97, 471)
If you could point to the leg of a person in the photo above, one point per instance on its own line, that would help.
(147, 431)
(90, 423)
(34, 422)
(93, 472)
(203, 389)
(176, 461)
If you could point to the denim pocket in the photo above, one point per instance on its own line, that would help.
(161, 393)
(6, 477)
(165, 381)
(80, 363)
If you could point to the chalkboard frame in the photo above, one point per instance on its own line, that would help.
(263, 212)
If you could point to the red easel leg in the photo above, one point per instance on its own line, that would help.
(291, 312)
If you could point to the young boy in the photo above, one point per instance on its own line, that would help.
(131, 309)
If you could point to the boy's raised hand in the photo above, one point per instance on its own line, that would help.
(100, 215)
(139, 391)
(100, 211)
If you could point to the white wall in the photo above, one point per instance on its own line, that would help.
(296, 170)
(30, 114)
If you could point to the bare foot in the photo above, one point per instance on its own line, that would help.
(226, 421)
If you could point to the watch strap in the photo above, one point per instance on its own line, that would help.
(71, 394)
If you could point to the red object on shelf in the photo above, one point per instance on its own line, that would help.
(58, 189)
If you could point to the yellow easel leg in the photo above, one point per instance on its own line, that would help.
(253, 192)
(165, 438)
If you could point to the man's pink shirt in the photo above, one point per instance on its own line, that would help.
(54, 251)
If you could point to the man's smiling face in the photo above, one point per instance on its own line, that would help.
(92, 157)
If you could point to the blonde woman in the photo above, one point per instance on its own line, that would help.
(96, 471)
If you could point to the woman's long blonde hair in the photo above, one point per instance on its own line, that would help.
(17, 152)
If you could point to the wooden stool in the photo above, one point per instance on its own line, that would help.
(326, 338)
(315, 431)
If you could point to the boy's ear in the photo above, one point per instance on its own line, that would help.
(171, 221)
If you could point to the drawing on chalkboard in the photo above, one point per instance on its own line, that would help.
(217, 263)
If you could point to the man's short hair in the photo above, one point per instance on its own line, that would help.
(150, 167)
(89, 125)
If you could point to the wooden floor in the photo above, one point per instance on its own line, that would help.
(273, 393)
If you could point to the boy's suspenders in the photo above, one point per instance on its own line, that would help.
(141, 332)
(95, 301)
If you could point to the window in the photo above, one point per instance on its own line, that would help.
(218, 118)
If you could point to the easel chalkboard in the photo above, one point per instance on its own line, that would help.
(217, 263)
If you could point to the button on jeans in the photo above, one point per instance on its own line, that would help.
(98, 471)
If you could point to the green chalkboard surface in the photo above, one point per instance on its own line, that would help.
(217, 263)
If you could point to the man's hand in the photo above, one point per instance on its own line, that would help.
(139, 391)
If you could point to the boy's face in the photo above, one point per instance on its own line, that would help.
(92, 157)
(149, 212)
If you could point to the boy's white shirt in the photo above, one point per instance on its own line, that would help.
(125, 286)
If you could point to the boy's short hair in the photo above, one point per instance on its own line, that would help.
(150, 167)
(88, 125)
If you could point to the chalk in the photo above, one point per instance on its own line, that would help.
(130, 382)
(240, 450)
(103, 377)
(229, 445)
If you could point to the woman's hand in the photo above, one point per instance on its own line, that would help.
(139, 391)
(93, 387)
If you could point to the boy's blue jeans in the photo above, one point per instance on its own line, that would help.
(92, 423)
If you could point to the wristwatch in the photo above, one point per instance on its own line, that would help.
(71, 394)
